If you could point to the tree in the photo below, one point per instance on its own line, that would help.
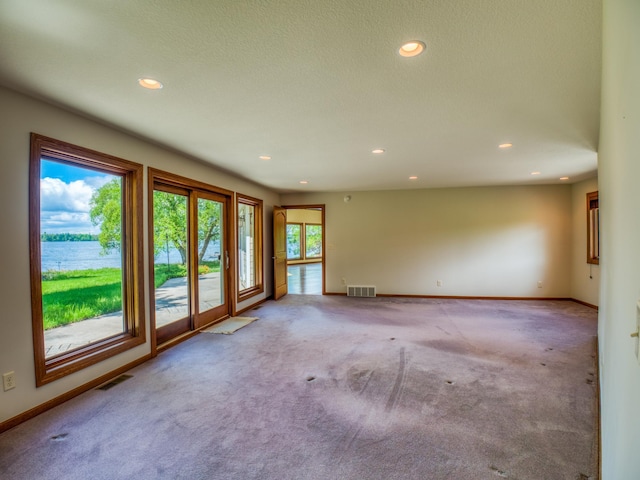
(209, 213)
(106, 211)
(170, 223)
(169, 220)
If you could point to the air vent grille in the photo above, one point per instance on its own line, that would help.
(361, 291)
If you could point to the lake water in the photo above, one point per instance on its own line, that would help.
(86, 255)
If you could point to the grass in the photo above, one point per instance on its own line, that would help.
(76, 295)
(174, 270)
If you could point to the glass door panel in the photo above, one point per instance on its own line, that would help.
(210, 254)
(171, 252)
(212, 257)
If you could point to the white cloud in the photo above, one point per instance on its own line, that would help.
(58, 195)
(64, 207)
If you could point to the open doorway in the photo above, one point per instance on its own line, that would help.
(305, 249)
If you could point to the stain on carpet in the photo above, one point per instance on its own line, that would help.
(358, 379)
(498, 472)
(449, 346)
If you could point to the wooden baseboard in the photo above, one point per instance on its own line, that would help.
(458, 297)
(595, 307)
(470, 297)
(54, 402)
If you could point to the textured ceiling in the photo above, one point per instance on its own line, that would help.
(318, 84)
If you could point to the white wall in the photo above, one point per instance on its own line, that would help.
(585, 277)
(19, 116)
(498, 241)
(619, 176)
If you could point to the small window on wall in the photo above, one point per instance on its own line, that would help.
(250, 280)
(313, 241)
(294, 239)
(86, 257)
(593, 228)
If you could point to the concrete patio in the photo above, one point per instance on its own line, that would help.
(171, 305)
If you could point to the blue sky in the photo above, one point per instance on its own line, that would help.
(65, 192)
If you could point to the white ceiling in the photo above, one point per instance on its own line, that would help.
(318, 84)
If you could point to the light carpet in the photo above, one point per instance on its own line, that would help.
(337, 388)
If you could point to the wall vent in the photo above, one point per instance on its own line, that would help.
(361, 291)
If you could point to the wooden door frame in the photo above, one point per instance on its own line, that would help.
(202, 319)
(322, 208)
(280, 280)
(166, 178)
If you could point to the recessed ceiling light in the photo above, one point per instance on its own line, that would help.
(412, 48)
(505, 145)
(413, 177)
(264, 157)
(378, 150)
(535, 173)
(150, 83)
(564, 178)
(304, 182)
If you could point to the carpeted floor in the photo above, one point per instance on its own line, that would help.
(341, 388)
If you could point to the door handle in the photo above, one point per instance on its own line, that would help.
(226, 254)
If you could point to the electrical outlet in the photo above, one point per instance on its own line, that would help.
(344, 281)
(439, 283)
(9, 381)
(539, 283)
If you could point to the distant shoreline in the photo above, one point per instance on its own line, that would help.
(68, 237)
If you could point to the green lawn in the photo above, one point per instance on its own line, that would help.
(76, 295)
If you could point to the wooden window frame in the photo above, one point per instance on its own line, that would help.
(258, 247)
(593, 228)
(58, 366)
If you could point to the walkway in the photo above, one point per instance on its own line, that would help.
(171, 304)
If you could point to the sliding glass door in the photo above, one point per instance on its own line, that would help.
(191, 259)
(171, 261)
(212, 259)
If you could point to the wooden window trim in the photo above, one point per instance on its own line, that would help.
(258, 248)
(593, 236)
(53, 368)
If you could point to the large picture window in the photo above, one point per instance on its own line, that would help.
(249, 221)
(85, 228)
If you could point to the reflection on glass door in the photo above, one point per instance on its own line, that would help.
(213, 258)
(171, 258)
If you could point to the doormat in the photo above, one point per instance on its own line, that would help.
(230, 325)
